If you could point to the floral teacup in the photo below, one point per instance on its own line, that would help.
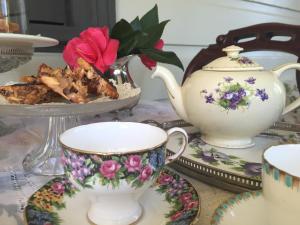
(116, 162)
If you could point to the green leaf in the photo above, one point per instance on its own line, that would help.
(127, 45)
(227, 162)
(240, 169)
(136, 24)
(150, 18)
(90, 180)
(115, 183)
(163, 57)
(59, 206)
(137, 183)
(115, 158)
(130, 178)
(121, 30)
(88, 162)
(196, 155)
(104, 181)
(151, 35)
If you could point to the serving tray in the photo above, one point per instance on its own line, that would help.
(236, 170)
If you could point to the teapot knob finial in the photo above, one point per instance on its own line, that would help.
(232, 51)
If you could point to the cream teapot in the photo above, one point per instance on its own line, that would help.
(231, 100)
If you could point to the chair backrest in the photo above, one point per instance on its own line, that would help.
(258, 37)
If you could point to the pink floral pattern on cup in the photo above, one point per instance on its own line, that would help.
(133, 163)
(145, 173)
(109, 168)
(135, 169)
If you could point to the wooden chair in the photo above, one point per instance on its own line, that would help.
(262, 38)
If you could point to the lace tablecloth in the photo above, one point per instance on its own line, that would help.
(20, 136)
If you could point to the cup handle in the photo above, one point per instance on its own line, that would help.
(170, 132)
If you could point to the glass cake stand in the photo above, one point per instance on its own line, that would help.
(46, 159)
(17, 49)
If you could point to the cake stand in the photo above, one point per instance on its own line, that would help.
(17, 49)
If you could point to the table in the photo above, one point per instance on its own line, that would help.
(25, 134)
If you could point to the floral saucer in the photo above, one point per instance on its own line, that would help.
(242, 209)
(172, 200)
(237, 170)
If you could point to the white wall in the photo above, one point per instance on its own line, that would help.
(196, 23)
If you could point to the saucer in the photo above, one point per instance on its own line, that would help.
(242, 209)
(171, 200)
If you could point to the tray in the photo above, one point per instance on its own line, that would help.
(236, 170)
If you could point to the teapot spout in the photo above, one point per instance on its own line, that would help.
(174, 90)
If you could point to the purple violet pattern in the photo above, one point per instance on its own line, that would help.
(251, 80)
(80, 168)
(228, 79)
(252, 169)
(261, 93)
(209, 98)
(233, 95)
(210, 156)
(244, 60)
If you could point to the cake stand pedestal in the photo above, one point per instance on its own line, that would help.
(46, 159)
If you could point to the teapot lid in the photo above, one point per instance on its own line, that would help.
(233, 61)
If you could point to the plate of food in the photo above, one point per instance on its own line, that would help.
(65, 91)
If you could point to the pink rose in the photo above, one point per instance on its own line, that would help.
(133, 163)
(165, 179)
(95, 46)
(190, 205)
(145, 173)
(58, 188)
(176, 216)
(109, 168)
(150, 63)
(186, 197)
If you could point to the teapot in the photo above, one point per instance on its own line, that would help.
(231, 99)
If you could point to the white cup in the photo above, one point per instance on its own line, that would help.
(114, 163)
(281, 184)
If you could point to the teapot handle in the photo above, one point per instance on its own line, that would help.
(278, 71)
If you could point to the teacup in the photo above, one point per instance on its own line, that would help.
(281, 184)
(115, 162)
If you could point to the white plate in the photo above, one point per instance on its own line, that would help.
(242, 209)
(26, 40)
(63, 109)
